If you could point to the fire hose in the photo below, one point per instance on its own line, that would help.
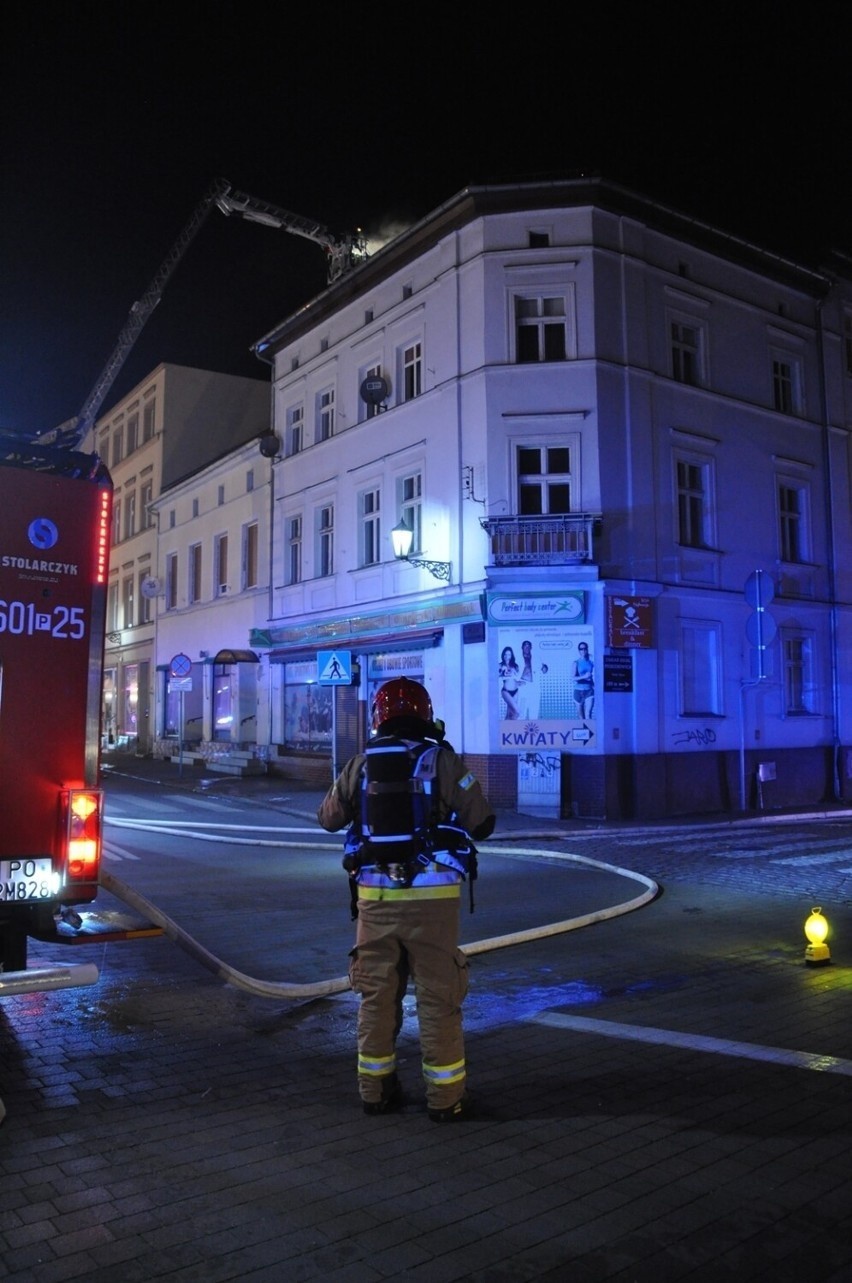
(322, 988)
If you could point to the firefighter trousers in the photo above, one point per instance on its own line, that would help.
(416, 939)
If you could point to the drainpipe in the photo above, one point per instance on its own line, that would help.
(831, 551)
(459, 456)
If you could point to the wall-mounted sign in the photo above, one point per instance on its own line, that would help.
(629, 622)
(537, 608)
(618, 673)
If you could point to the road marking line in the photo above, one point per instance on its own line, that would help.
(696, 1042)
(113, 852)
(161, 825)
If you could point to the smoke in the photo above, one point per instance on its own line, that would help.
(387, 231)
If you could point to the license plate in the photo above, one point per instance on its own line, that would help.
(27, 880)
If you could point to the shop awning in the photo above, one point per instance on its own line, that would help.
(235, 657)
(391, 643)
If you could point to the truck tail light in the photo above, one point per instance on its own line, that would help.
(84, 811)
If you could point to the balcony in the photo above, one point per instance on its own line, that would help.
(541, 541)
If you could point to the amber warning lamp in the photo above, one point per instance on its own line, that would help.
(816, 930)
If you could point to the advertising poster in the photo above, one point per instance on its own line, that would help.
(544, 687)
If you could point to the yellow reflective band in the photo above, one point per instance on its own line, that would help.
(444, 1073)
(376, 1066)
(452, 892)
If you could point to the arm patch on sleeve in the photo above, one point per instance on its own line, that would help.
(467, 780)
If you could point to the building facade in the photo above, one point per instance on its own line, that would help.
(620, 440)
(173, 422)
(213, 567)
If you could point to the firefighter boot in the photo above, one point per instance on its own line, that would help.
(391, 1099)
(460, 1112)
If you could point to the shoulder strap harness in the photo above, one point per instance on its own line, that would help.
(399, 833)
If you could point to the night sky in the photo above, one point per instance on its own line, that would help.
(116, 119)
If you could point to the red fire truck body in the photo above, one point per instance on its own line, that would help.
(54, 560)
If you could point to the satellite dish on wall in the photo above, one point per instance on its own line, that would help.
(269, 445)
(150, 586)
(374, 389)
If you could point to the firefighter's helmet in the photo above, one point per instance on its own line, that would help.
(401, 697)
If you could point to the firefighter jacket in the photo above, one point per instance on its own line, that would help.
(412, 806)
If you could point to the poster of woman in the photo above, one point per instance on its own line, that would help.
(544, 684)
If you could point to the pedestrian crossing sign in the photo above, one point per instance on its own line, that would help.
(334, 667)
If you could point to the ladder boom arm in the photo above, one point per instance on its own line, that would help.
(343, 254)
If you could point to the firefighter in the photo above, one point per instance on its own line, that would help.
(412, 807)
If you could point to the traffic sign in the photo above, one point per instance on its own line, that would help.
(759, 589)
(334, 667)
(181, 665)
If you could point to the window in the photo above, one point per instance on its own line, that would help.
(544, 480)
(325, 540)
(171, 581)
(368, 409)
(225, 700)
(117, 445)
(799, 694)
(294, 550)
(412, 371)
(409, 502)
(146, 604)
(686, 352)
(250, 481)
(325, 415)
(112, 608)
(250, 551)
(116, 521)
(127, 599)
(129, 514)
(220, 497)
(792, 521)
(693, 480)
(539, 240)
(220, 565)
(195, 507)
(148, 419)
(786, 383)
(194, 585)
(700, 669)
(540, 329)
(132, 432)
(146, 497)
(369, 506)
(295, 429)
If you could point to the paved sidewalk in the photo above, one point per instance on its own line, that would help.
(664, 1096)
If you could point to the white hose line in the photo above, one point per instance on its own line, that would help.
(262, 988)
(322, 988)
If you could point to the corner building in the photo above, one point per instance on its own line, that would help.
(620, 441)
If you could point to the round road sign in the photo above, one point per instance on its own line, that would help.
(181, 666)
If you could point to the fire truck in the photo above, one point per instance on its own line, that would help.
(55, 504)
(54, 562)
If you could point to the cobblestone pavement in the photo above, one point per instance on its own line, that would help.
(664, 1096)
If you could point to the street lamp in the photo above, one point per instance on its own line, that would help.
(401, 538)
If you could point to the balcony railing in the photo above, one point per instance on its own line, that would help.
(557, 540)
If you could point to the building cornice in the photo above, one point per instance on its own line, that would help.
(481, 200)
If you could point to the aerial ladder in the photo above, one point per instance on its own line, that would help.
(343, 255)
